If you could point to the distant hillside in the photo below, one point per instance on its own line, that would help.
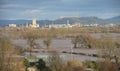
(18, 22)
(72, 20)
(115, 20)
(82, 20)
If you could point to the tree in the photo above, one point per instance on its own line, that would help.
(55, 63)
(75, 41)
(85, 40)
(92, 64)
(41, 65)
(26, 63)
(73, 66)
(89, 41)
(5, 46)
(9, 57)
(47, 42)
(109, 48)
(30, 35)
(107, 66)
(117, 42)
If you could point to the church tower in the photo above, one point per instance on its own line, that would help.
(34, 22)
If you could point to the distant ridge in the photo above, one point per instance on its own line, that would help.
(72, 20)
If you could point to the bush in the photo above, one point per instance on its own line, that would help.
(107, 66)
(41, 65)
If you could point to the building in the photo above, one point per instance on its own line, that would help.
(77, 25)
(33, 25)
(12, 25)
(110, 25)
(67, 25)
(55, 26)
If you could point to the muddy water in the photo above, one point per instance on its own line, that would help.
(64, 44)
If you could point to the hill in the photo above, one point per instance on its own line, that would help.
(72, 20)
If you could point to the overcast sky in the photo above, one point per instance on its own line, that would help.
(53, 9)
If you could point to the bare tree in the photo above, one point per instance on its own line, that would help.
(31, 35)
(85, 41)
(109, 48)
(75, 41)
(47, 42)
(55, 63)
(107, 66)
(10, 60)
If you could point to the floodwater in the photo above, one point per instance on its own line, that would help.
(58, 42)
(66, 57)
(62, 44)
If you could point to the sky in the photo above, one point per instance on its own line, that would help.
(53, 9)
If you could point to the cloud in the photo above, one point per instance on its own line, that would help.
(56, 8)
(68, 16)
(11, 6)
(32, 11)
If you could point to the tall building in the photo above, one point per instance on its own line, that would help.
(34, 24)
(34, 21)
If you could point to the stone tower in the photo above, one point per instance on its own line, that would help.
(34, 22)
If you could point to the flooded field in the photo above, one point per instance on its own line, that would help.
(64, 44)
(59, 42)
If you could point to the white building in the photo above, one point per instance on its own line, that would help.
(77, 25)
(94, 25)
(12, 25)
(55, 26)
(67, 25)
(109, 25)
